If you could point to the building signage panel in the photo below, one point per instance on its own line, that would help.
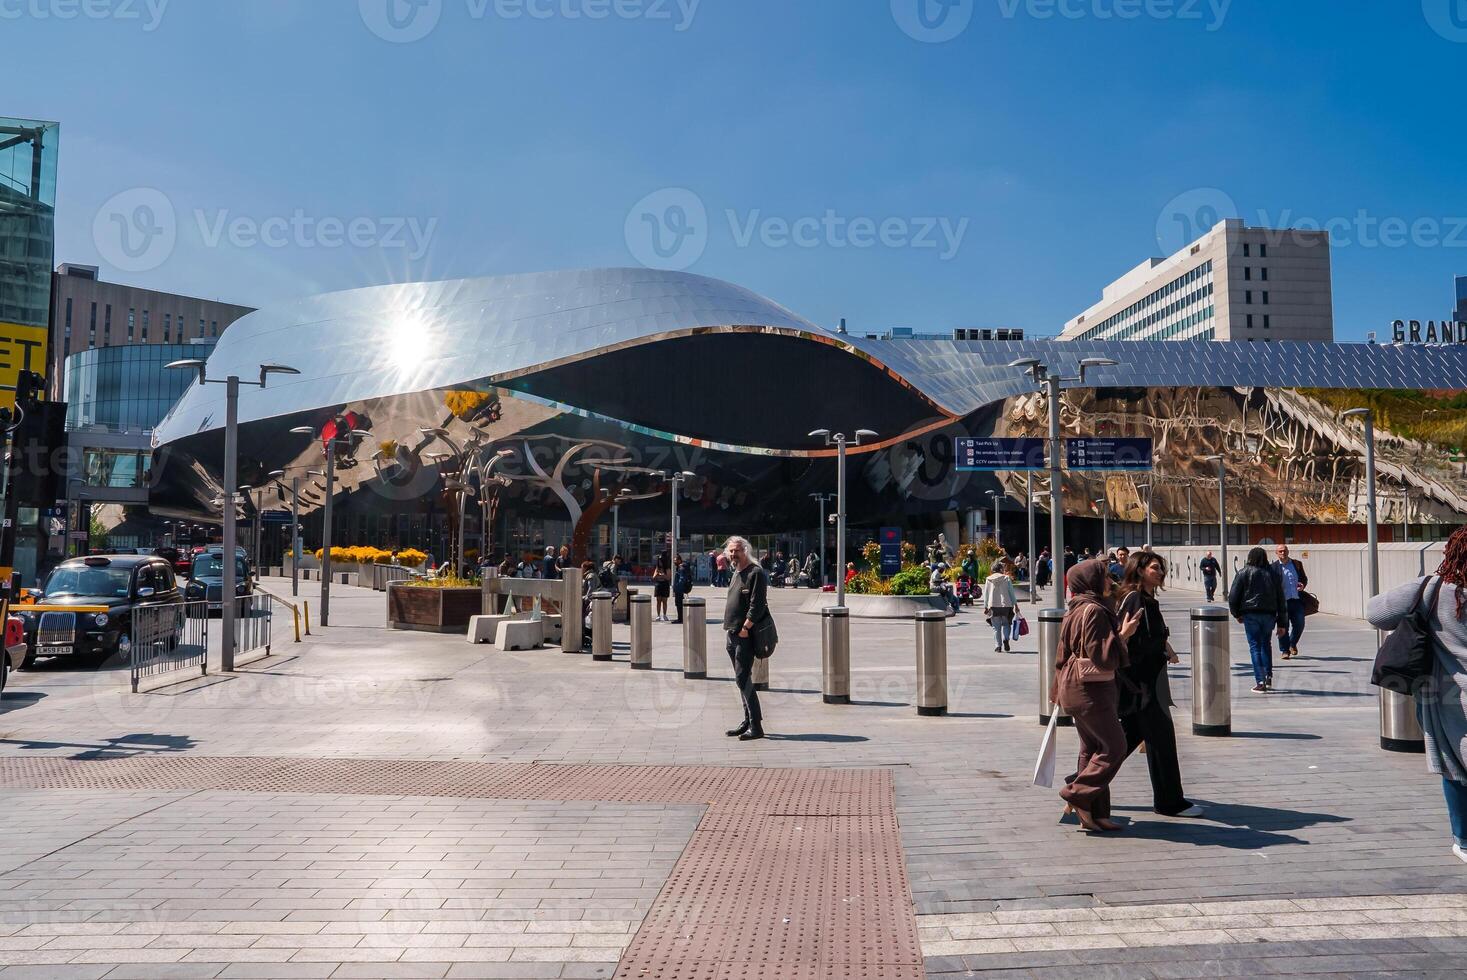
(1000, 454)
(1108, 454)
(22, 348)
(1430, 332)
(891, 551)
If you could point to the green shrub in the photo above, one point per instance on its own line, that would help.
(911, 580)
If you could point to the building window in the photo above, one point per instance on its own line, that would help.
(213, 328)
(1263, 274)
(107, 326)
(1247, 274)
(1265, 297)
(1246, 250)
(1250, 321)
(1248, 297)
(167, 327)
(145, 326)
(92, 328)
(68, 314)
(1263, 251)
(132, 323)
(201, 326)
(1267, 322)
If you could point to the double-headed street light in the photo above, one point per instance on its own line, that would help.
(231, 478)
(675, 481)
(1104, 504)
(621, 497)
(1042, 375)
(295, 528)
(337, 437)
(840, 441)
(484, 469)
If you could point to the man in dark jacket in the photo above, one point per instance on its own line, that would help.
(747, 605)
(1290, 572)
(1256, 600)
(1209, 568)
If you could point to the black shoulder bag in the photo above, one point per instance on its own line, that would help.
(1405, 659)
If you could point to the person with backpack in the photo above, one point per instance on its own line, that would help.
(744, 611)
(682, 584)
(1256, 599)
(1441, 705)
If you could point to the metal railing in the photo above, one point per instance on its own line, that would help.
(298, 611)
(252, 618)
(167, 638)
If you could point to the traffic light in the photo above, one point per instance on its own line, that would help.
(30, 390)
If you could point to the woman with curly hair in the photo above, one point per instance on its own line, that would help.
(1441, 705)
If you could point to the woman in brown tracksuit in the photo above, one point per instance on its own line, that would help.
(1092, 647)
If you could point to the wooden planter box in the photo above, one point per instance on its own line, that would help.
(411, 607)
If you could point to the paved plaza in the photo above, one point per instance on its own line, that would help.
(387, 804)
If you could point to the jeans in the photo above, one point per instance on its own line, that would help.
(1209, 582)
(1296, 625)
(741, 655)
(1456, 795)
(1258, 626)
(1003, 624)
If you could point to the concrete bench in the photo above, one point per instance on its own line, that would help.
(483, 628)
(551, 627)
(344, 578)
(519, 634)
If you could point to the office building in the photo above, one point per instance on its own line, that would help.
(1233, 283)
(92, 313)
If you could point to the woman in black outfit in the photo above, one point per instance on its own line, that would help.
(1145, 696)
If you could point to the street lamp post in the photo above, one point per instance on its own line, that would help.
(1222, 513)
(840, 441)
(1033, 553)
(1372, 531)
(997, 495)
(1189, 514)
(231, 479)
(822, 498)
(326, 508)
(1104, 504)
(1051, 381)
(675, 483)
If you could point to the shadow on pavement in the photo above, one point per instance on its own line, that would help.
(816, 737)
(118, 747)
(14, 700)
(1293, 735)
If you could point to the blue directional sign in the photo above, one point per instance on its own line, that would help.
(275, 517)
(1000, 454)
(1108, 454)
(891, 551)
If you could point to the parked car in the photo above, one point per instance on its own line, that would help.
(15, 648)
(121, 583)
(206, 580)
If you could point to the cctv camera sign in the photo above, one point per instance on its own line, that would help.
(1430, 332)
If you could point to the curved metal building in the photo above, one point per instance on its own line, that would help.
(584, 383)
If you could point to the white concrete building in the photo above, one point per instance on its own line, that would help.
(1233, 283)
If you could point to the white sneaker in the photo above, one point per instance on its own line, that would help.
(1196, 811)
(1458, 850)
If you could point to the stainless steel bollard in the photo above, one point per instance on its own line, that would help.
(761, 673)
(601, 625)
(932, 662)
(695, 637)
(1212, 672)
(571, 622)
(1400, 731)
(835, 655)
(621, 610)
(641, 612)
(1050, 621)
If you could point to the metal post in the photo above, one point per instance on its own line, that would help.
(326, 533)
(835, 655)
(601, 625)
(1056, 491)
(676, 481)
(1212, 705)
(1189, 515)
(1406, 515)
(695, 638)
(641, 616)
(820, 498)
(231, 479)
(1373, 531)
(1150, 489)
(840, 520)
(615, 529)
(570, 610)
(1222, 522)
(931, 662)
(1033, 555)
(1104, 523)
(997, 497)
(1049, 631)
(295, 536)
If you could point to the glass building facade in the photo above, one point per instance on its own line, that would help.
(27, 220)
(125, 389)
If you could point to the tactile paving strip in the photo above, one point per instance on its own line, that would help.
(791, 873)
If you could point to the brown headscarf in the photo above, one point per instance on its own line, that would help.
(1090, 628)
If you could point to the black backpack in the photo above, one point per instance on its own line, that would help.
(1404, 661)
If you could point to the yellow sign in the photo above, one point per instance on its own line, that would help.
(21, 349)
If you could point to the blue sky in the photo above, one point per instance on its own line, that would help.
(835, 156)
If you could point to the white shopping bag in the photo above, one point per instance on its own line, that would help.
(1044, 765)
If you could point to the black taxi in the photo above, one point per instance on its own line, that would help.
(85, 607)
